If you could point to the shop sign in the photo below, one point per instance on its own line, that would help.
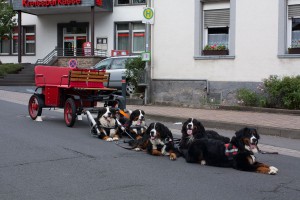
(99, 2)
(87, 48)
(48, 3)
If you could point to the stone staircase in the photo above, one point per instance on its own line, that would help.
(24, 77)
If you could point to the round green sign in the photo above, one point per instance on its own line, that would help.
(148, 13)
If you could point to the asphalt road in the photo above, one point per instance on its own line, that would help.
(47, 160)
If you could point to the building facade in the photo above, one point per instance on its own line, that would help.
(258, 36)
(254, 38)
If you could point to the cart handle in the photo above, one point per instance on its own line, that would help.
(41, 75)
(63, 76)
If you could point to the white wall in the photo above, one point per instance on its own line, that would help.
(256, 44)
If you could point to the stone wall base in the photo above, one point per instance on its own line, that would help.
(197, 93)
(83, 62)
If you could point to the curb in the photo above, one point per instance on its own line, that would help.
(263, 130)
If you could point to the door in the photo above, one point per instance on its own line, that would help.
(79, 45)
(69, 43)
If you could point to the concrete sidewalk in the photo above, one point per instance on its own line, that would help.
(283, 125)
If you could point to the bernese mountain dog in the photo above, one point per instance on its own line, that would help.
(158, 140)
(136, 125)
(193, 129)
(106, 121)
(238, 154)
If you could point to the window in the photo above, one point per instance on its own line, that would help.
(218, 36)
(29, 40)
(4, 45)
(15, 40)
(122, 37)
(293, 32)
(130, 37)
(215, 25)
(138, 38)
(9, 45)
(118, 63)
(128, 2)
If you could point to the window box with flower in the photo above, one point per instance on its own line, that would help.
(215, 50)
(294, 49)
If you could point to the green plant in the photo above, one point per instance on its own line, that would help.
(248, 97)
(9, 68)
(283, 92)
(215, 47)
(134, 69)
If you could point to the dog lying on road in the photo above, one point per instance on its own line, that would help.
(157, 141)
(193, 129)
(238, 154)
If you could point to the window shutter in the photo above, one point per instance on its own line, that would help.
(215, 18)
(294, 11)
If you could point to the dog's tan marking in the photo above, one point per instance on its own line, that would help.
(155, 152)
(263, 170)
(173, 156)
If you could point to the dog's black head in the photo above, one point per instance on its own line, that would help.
(246, 139)
(137, 118)
(107, 113)
(192, 127)
(159, 131)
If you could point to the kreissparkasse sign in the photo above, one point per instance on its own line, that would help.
(48, 3)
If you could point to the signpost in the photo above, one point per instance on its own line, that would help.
(148, 18)
(73, 63)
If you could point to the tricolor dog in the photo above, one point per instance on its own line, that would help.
(238, 154)
(137, 124)
(107, 124)
(193, 129)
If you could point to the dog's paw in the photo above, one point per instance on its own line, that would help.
(137, 149)
(109, 139)
(115, 139)
(273, 170)
(173, 156)
(203, 162)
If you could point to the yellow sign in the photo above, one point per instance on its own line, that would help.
(148, 15)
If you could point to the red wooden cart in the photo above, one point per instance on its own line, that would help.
(71, 89)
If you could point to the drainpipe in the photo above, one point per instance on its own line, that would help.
(19, 37)
(92, 30)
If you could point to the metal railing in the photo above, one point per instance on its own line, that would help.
(69, 52)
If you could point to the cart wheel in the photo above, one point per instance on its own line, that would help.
(70, 112)
(35, 106)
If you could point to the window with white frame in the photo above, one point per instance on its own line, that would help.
(9, 45)
(15, 40)
(138, 38)
(122, 38)
(293, 32)
(29, 40)
(215, 27)
(130, 36)
(4, 45)
(129, 2)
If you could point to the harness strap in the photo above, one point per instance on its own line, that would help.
(230, 151)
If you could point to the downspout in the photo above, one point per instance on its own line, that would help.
(92, 30)
(19, 37)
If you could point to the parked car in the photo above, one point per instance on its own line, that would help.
(116, 67)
